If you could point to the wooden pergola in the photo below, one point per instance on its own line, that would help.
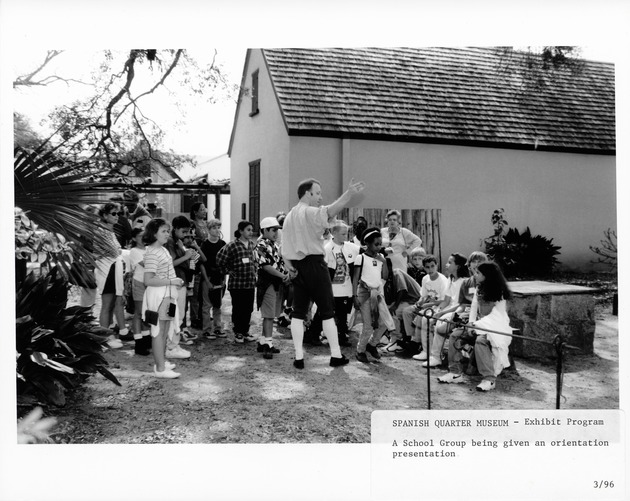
(174, 187)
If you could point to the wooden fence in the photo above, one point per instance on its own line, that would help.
(423, 222)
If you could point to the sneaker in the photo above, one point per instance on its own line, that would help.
(177, 352)
(249, 338)
(433, 362)
(486, 385)
(393, 347)
(338, 361)
(267, 352)
(165, 374)
(169, 366)
(283, 321)
(262, 347)
(373, 350)
(298, 364)
(323, 339)
(452, 378)
(209, 335)
(219, 333)
(420, 356)
(114, 343)
(126, 337)
(384, 341)
(361, 357)
(186, 334)
(239, 338)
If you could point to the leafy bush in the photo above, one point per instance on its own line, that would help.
(520, 254)
(57, 347)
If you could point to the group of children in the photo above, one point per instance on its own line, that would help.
(417, 311)
(413, 312)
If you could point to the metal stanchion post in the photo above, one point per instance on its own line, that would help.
(558, 344)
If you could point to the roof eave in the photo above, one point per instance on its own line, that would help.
(454, 142)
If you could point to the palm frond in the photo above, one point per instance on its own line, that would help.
(53, 194)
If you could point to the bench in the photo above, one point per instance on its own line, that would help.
(542, 310)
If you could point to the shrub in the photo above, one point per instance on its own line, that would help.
(520, 254)
(57, 347)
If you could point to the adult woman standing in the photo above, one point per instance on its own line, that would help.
(399, 240)
(198, 215)
(237, 258)
(109, 272)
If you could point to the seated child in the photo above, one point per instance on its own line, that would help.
(488, 311)
(456, 270)
(434, 286)
(415, 269)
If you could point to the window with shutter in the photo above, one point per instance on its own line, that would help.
(254, 194)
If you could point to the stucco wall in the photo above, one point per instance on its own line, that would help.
(567, 197)
(319, 158)
(262, 136)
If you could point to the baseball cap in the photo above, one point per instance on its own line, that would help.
(269, 222)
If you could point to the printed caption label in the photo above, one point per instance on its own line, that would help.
(558, 454)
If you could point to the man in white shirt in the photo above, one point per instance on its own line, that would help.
(303, 252)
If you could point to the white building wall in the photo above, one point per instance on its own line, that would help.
(564, 196)
(262, 136)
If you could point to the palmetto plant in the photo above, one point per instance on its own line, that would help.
(57, 347)
(53, 194)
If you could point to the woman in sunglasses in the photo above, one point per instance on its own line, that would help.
(109, 273)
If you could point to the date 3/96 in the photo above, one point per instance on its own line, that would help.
(603, 484)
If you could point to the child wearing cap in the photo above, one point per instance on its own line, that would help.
(272, 276)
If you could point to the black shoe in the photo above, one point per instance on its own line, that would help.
(262, 347)
(284, 322)
(143, 346)
(343, 340)
(410, 349)
(126, 337)
(373, 350)
(299, 364)
(338, 361)
(267, 353)
(361, 357)
(313, 341)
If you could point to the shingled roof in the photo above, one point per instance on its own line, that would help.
(472, 96)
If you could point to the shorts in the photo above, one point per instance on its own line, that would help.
(272, 303)
(312, 283)
(137, 290)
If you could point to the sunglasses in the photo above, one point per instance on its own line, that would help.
(114, 213)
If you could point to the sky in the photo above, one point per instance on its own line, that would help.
(205, 127)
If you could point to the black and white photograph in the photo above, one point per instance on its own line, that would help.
(233, 248)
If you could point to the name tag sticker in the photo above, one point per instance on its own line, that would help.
(245, 260)
(471, 290)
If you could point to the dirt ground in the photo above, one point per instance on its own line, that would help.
(229, 394)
